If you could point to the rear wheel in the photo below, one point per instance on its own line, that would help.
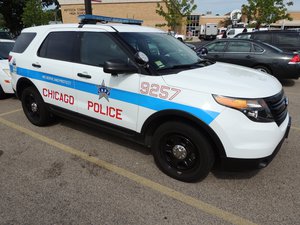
(263, 69)
(34, 107)
(182, 152)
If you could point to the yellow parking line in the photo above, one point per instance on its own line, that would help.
(296, 128)
(11, 112)
(205, 207)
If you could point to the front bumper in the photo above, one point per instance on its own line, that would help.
(233, 164)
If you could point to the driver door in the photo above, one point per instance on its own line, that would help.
(101, 95)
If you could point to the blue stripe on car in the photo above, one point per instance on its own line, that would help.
(149, 102)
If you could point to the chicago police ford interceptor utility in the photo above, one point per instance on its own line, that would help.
(145, 85)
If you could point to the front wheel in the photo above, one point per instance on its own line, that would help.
(34, 107)
(182, 152)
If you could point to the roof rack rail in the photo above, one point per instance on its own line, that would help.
(93, 19)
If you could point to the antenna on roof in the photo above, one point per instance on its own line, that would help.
(93, 19)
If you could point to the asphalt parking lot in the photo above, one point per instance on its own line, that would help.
(68, 173)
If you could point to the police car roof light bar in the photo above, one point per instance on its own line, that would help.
(93, 19)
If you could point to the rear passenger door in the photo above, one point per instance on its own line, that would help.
(100, 95)
(52, 68)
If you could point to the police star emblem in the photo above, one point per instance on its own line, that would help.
(103, 91)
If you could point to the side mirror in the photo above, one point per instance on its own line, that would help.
(141, 58)
(202, 51)
(117, 66)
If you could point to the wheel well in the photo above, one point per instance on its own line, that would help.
(151, 125)
(263, 65)
(22, 84)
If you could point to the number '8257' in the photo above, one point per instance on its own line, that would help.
(159, 91)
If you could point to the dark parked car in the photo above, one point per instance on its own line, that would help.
(286, 40)
(254, 54)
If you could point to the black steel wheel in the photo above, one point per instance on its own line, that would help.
(182, 152)
(34, 107)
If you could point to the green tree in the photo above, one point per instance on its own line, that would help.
(34, 14)
(175, 12)
(266, 11)
(11, 11)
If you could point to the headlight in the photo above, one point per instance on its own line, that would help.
(255, 109)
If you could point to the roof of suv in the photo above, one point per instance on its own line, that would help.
(113, 27)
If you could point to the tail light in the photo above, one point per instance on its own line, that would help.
(9, 58)
(295, 59)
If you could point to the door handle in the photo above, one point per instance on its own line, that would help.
(84, 75)
(36, 65)
(249, 57)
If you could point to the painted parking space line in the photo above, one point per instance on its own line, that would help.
(296, 128)
(10, 112)
(205, 207)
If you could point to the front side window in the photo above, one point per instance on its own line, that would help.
(264, 37)
(98, 47)
(163, 50)
(216, 47)
(238, 46)
(59, 46)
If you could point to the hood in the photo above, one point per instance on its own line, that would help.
(227, 80)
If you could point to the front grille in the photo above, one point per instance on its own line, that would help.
(278, 107)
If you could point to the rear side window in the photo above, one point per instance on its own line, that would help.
(5, 48)
(23, 42)
(288, 39)
(59, 46)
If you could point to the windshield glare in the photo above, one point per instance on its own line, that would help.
(163, 50)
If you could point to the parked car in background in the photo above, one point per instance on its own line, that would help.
(254, 54)
(5, 86)
(5, 35)
(287, 40)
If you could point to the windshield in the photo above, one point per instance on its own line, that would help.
(5, 48)
(163, 50)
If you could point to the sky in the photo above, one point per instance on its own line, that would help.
(224, 6)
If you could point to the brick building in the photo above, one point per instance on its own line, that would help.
(145, 10)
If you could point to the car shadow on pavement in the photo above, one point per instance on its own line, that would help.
(105, 135)
(287, 82)
(234, 175)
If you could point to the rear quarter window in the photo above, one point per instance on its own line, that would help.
(23, 42)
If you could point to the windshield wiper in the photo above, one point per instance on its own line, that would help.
(200, 63)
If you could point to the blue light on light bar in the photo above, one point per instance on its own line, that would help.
(106, 19)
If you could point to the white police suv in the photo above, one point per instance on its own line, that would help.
(147, 86)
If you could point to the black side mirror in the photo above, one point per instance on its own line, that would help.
(141, 58)
(202, 51)
(117, 66)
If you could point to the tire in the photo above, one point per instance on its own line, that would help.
(34, 107)
(2, 93)
(182, 152)
(263, 69)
